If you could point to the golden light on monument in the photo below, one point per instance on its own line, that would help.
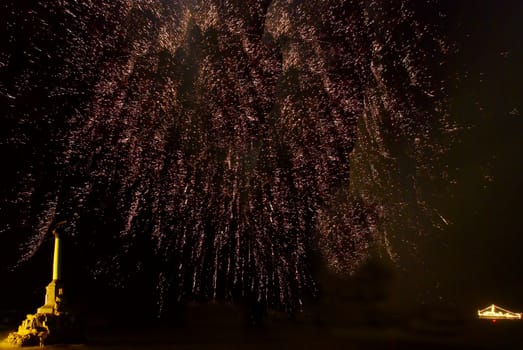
(53, 322)
(494, 312)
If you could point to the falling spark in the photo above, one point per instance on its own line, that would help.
(235, 137)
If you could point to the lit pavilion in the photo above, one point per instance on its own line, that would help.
(494, 312)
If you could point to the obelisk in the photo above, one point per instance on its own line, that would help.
(53, 295)
(57, 257)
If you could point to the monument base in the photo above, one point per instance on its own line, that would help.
(53, 299)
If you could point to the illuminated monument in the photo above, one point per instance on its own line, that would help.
(54, 292)
(52, 323)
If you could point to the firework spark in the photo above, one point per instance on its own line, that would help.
(218, 135)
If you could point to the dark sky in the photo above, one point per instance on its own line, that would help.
(478, 260)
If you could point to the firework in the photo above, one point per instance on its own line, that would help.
(220, 143)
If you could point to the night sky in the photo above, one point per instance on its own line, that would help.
(478, 258)
(262, 152)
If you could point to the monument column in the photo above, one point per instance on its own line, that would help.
(57, 257)
(53, 295)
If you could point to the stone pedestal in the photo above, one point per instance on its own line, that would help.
(53, 298)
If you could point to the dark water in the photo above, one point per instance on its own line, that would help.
(218, 327)
(243, 150)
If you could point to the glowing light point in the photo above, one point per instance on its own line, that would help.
(494, 312)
